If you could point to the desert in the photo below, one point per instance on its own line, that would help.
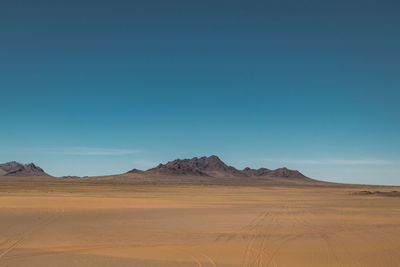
(212, 133)
(130, 220)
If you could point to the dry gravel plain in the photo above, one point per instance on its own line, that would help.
(82, 224)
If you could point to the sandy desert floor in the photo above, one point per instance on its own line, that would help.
(110, 225)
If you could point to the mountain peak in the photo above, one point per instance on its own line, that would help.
(205, 166)
(213, 166)
(213, 158)
(285, 172)
(14, 168)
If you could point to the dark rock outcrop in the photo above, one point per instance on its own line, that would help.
(205, 166)
(214, 167)
(256, 172)
(14, 168)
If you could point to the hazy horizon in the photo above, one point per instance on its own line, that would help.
(94, 88)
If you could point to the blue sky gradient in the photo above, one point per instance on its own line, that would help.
(101, 87)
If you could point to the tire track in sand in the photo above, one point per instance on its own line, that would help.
(256, 252)
(29, 232)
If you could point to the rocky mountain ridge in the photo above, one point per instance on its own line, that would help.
(14, 168)
(215, 167)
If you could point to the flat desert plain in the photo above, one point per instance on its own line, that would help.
(82, 224)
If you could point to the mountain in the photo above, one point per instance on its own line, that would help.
(214, 167)
(281, 172)
(256, 172)
(284, 172)
(204, 166)
(210, 171)
(14, 168)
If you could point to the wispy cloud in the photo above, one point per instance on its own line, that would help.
(88, 151)
(334, 161)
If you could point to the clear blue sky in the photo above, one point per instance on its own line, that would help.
(101, 87)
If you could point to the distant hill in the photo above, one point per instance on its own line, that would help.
(195, 171)
(14, 168)
(281, 172)
(211, 170)
(215, 167)
(204, 166)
